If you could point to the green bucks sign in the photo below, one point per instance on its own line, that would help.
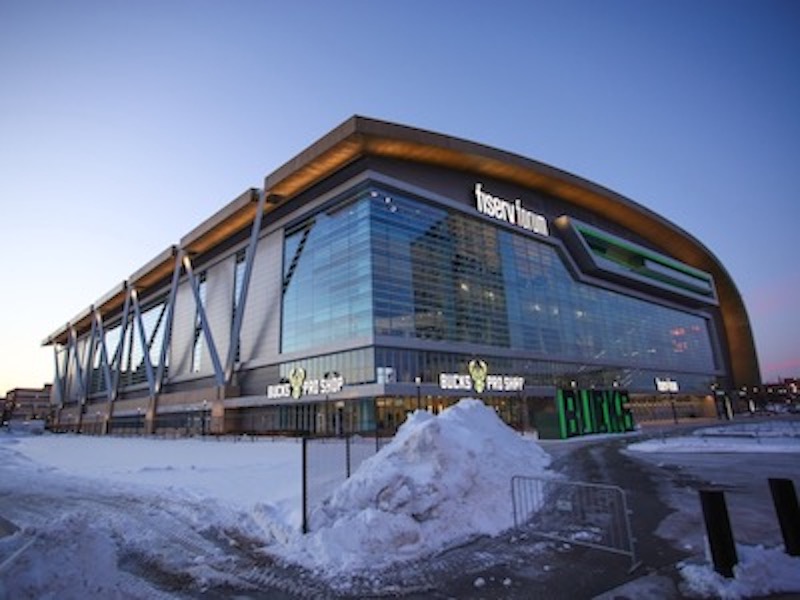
(581, 412)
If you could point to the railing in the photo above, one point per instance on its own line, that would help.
(329, 461)
(586, 514)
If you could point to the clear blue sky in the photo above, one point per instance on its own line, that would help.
(125, 124)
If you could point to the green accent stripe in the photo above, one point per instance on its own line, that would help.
(643, 252)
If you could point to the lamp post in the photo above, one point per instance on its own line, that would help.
(743, 398)
(672, 404)
(204, 418)
(720, 410)
(418, 381)
(139, 420)
(670, 386)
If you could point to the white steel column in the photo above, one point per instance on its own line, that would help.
(104, 364)
(117, 371)
(167, 342)
(148, 366)
(219, 375)
(242, 300)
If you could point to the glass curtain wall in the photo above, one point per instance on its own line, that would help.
(442, 275)
(126, 355)
(327, 278)
(401, 267)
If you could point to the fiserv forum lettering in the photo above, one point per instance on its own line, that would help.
(510, 212)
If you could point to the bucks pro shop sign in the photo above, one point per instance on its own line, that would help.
(479, 380)
(298, 385)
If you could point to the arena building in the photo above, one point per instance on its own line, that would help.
(387, 268)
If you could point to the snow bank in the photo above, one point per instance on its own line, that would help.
(442, 480)
(760, 572)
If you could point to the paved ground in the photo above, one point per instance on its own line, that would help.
(663, 494)
(533, 568)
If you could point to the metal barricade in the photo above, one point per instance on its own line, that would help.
(586, 514)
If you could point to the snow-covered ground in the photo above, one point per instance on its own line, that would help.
(737, 458)
(778, 436)
(118, 517)
(93, 510)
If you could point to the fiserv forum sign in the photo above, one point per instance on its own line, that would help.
(510, 212)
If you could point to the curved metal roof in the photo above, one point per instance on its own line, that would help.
(359, 137)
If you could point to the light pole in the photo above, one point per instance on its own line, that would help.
(671, 389)
(418, 381)
(139, 420)
(204, 418)
(670, 386)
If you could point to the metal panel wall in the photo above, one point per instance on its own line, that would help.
(180, 360)
(219, 309)
(262, 318)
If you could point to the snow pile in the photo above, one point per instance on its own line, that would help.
(443, 480)
(760, 572)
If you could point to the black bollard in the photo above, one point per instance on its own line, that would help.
(305, 484)
(718, 527)
(785, 500)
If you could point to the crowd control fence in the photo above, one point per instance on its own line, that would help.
(586, 514)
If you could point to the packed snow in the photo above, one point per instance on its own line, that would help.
(238, 474)
(441, 481)
(779, 436)
(86, 516)
(761, 570)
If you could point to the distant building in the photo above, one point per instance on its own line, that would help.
(792, 385)
(387, 268)
(24, 404)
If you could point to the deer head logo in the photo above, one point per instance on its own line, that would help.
(297, 377)
(478, 370)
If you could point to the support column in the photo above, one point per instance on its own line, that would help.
(161, 371)
(218, 425)
(150, 416)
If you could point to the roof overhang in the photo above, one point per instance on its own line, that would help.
(360, 137)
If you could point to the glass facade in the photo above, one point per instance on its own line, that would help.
(327, 278)
(385, 263)
(355, 366)
(129, 352)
